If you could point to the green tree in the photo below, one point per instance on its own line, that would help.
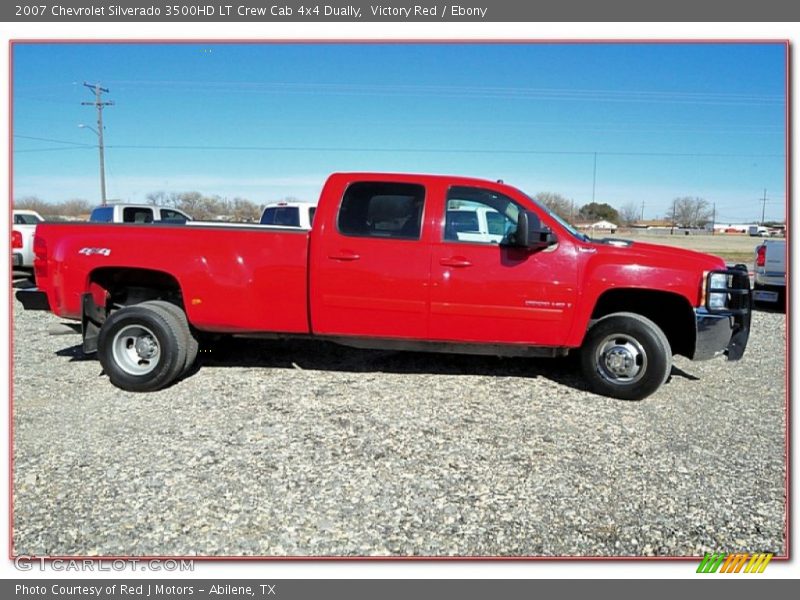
(595, 211)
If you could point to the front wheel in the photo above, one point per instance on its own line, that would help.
(626, 356)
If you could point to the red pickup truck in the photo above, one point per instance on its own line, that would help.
(394, 262)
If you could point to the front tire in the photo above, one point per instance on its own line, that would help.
(626, 356)
(142, 348)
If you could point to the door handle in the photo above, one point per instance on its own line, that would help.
(344, 255)
(455, 261)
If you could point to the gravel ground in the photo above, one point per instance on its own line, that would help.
(301, 449)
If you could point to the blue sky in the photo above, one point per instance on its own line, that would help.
(267, 121)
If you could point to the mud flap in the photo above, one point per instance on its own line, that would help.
(92, 319)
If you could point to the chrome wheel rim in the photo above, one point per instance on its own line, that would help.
(620, 359)
(136, 350)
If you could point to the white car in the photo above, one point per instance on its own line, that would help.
(289, 214)
(769, 282)
(22, 231)
(137, 213)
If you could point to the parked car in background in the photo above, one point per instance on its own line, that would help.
(769, 282)
(22, 230)
(475, 224)
(137, 213)
(289, 214)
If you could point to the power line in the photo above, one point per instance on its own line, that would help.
(592, 153)
(494, 92)
(44, 139)
(53, 149)
(437, 150)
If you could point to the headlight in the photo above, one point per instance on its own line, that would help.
(718, 280)
(717, 300)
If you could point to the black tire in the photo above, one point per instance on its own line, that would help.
(142, 348)
(192, 345)
(626, 356)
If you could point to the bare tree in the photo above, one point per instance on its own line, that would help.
(629, 213)
(43, 207)
(559, 204)
(157, 198)
(77, 207)
(162, 198)
(207, 208)
(689, 211)
(245, 211)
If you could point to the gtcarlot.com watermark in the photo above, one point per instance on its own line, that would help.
(30, 563)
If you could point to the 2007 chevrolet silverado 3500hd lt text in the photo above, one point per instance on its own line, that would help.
(383, 267)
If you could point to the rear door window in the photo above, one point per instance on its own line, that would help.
(102, 214)
(380, 209)
(172, 216)
(137, 214)
(24, 219)
(287, 216)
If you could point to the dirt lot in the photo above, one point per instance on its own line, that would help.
(309, 449)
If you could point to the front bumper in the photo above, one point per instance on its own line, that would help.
(725, 330)
(33, 299)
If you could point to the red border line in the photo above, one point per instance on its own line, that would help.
(318, 41)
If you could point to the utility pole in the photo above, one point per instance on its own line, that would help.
(99, 104)
(763, 206)
(594, 176)
(672, 229)
(713, 217)
(642, 218)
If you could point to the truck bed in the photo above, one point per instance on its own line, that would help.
(232, 278)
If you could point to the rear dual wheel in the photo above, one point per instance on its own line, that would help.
(146, 347)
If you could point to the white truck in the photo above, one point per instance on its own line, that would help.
(22, 231)
(769, 282)
(289, 214)
(137, 213)
(474, 224)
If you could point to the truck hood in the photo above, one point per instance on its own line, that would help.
(657, 254)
